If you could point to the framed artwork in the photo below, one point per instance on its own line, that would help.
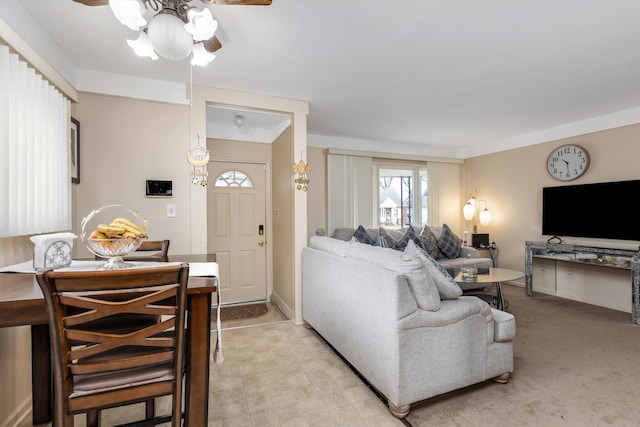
(75, 151)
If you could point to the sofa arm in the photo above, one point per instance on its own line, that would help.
(504, 326)
(469, 252)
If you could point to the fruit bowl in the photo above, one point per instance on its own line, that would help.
(113, 232)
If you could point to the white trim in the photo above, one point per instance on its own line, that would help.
(379, 155)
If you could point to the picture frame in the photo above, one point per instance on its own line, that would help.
(75, 151)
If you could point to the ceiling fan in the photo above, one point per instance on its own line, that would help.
(181, 7)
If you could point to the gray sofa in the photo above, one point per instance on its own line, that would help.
(402, 325)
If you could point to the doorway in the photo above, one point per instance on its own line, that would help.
(236, 224)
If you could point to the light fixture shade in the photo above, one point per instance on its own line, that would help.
(485, 217)
(168, 36)
(129, 13)
(201, 25)
(468, 211)
(142, 46)
(201, 56)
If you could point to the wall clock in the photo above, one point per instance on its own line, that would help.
(568, 162)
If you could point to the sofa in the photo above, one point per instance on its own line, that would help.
(396, 317)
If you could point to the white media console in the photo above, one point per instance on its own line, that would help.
(618, 259)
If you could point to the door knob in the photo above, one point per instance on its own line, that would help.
(260, 243)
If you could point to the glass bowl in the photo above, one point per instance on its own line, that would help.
(114, 245)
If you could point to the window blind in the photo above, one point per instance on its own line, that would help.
(35, 189)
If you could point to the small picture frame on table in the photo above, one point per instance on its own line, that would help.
(75, 151)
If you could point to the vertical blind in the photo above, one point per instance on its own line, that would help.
(350, 191)
(35, 189)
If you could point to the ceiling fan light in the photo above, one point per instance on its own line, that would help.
(168, 36)
(129, 13)
(201, 25)
(201, 56)
(142, 46)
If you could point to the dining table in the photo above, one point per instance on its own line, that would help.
(22, 304)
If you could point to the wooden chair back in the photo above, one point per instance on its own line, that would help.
(149, 250)
(96, 368)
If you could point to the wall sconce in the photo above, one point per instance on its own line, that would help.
(474, 206)
(302, 170)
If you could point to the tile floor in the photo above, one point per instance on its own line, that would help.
(279, 374)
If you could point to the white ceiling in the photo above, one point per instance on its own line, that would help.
(448, 77)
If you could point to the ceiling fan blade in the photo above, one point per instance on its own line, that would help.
(212, 44)
(244, 2)
(93, 2)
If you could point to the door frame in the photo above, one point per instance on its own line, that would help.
(267, 205)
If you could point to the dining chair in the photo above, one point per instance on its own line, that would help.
(149, 250)
(98, 366)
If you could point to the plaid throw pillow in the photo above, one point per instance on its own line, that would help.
(362, 236)
(449, 243)
(408, 236)
(389, 241)
(429, 243)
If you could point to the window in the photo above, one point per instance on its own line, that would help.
(402, 195)
(233, 179)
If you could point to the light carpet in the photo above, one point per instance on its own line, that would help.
(574, 365)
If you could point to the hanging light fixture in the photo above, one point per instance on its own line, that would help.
(176, 31)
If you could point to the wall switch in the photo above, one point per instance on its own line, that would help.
(171, 210)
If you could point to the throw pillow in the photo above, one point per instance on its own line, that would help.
(409, 235)
(429, 242)
(447, 287)
(389, 241)
(449, 243)
(362, 236)
(421, 284)
(382, 242)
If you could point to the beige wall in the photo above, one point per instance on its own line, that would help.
(512, 182)
(282, 212)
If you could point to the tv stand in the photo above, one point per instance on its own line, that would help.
(603, 257)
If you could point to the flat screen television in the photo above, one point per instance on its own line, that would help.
(605, 210)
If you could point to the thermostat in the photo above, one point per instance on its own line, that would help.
(157, 188)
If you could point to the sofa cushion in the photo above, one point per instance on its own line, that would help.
(362, 236)
(449, 243)
(343, 233)
(329, 244)
(447, 287)
(422, 286)
(429, 242)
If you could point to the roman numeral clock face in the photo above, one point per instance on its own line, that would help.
(568, 162)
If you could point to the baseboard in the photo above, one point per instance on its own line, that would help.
(275, 299)
(20, 414)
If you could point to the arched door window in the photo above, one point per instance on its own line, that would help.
(233, 178)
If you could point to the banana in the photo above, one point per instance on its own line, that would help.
(130, 226)
(111, 231)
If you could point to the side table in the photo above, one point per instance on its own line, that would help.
(497, 276)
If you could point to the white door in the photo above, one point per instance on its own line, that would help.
(236, 212)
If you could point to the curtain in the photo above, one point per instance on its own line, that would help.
(35, 189)
(445, 206)
(350, 191)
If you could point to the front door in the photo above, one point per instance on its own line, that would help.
(236, 212)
